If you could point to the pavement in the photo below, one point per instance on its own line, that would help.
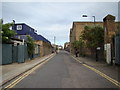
(111, 70)
(11, 71)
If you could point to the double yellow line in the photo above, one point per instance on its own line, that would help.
(101, 74)
(11, 85)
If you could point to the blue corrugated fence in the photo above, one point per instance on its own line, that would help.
(12, 54)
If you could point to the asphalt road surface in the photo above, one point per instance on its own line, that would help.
(63, 71)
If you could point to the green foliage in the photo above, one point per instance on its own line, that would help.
(0, 30)
(79, 45)
(76, 44)
(93, 36)
(6, 32)
(30, 45)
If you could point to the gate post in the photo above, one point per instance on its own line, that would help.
(109, 32)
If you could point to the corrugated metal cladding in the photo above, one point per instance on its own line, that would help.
(117, 50)
(23, 29)
(6, 54)
(12, 54)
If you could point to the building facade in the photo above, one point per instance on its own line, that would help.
(67, 46)
(111, 40)
(111, 49)
(76, 30)
(23, 30)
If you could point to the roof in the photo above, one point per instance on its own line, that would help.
(40, 37)
(109, 17)
(33, 34)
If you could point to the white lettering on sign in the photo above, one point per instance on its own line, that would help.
(19, 27)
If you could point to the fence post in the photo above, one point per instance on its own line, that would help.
(21, 54)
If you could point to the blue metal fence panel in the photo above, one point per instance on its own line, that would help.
(11, 54)
(117, 49)
(15, 53)
(6, 53)
(25, 53)
(21, 54)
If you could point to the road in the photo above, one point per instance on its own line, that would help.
(63, 71)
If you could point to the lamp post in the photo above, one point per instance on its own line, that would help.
(94, 19)
(54, 39)
(13, 24)
(98, 48)
(87, 16)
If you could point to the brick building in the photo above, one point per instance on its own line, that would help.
(111, 41)
(76, 30)
(110, 28)
(67, 46)
(45, 48)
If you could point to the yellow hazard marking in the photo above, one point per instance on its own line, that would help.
(100, 73)
(11, 85)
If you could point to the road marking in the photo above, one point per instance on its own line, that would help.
(100, 73)
(25, 75)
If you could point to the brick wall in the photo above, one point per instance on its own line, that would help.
(75, 32)
(45, 48)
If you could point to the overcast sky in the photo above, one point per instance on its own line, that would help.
(56, 18)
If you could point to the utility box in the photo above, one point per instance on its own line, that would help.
(108, 53)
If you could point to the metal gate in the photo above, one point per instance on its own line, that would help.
(6, 53)
(15, 53)
(117, 49)
(21, 54)
(12, 54)
(25, 53)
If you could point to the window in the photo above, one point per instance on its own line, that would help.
(19, 27)
(36, 49)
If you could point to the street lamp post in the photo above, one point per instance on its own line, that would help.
(97, 47)
(54, 39)
(13, 24)
(94, 19)
(87, 16)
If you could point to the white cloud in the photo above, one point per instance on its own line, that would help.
(55, 19)
(59, 0)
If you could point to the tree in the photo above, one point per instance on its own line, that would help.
(30, 46)
(6, 32)
(76, 44)
(93, 36)
(79, 45)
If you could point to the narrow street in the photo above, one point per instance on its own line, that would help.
(60, 44)
(63, 71)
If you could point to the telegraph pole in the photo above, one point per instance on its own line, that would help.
(94, 19)
(54, 39)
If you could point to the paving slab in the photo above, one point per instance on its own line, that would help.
(12, 70)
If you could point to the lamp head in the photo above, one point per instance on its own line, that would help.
(84, 16)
